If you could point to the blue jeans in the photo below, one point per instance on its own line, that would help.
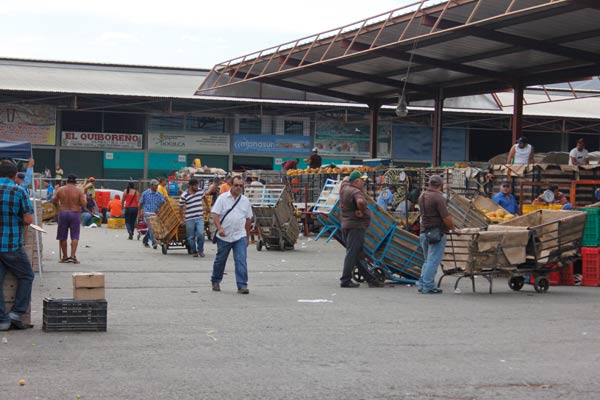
(131, 214)
(433, 254)
(18, 263)
(194, 229)
(149, 233)
(239, 258)
(85, 218)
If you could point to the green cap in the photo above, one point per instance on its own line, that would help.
(356, 175)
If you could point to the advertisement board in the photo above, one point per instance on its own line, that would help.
(336, 138)
(272, 144)
(29, 123)
(188, 142)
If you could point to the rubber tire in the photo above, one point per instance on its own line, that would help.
(516, 283)
(379, 273)
(541, 284)
(282, 244)
(259, 245)
(164, 248)
(356, 275)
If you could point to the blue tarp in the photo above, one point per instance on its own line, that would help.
(15, 149)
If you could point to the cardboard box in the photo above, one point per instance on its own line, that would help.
(88, 293)
(88, 279)
(25, 318)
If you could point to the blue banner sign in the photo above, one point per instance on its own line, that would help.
(272, 144)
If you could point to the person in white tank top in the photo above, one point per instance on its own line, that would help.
(520, 153)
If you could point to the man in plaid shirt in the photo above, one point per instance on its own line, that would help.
(150, 202)
(15, 213)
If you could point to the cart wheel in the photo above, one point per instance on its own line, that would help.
(516, 283)
(541, 284)
(379, 273)
(357, 276)
(164, 248)
(259, 245)
(282, 244)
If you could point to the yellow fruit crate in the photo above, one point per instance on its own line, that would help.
(116, 223)
(555, 206)
(529, 208)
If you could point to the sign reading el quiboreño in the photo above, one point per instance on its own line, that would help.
(102, 140)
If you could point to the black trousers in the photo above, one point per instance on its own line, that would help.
(354, 239)
(130, 218)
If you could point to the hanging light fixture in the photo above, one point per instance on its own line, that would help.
(402, 107)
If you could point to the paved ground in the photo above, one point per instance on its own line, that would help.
(171, 337)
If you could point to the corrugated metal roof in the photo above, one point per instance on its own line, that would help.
(464, 47)
(100, 79)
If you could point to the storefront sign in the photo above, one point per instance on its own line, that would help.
(271, 144)
(190, 142)
(102, 140)
(35, 124)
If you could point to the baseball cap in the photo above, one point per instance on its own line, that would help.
(315, 149)
(435, 180)
(21, 175)
(522, 139)
(92, 179)
(154, 182)
(505, 183)
(71, 178)
(356, 175)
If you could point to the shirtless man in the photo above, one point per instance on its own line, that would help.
(70, 200)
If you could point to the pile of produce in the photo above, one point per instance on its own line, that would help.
(500, 215)
(329, 170)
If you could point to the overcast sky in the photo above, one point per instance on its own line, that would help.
(167, 33)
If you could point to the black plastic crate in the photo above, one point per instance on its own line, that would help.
(68, 315)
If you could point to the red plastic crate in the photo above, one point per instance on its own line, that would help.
(102, 199)
(553, 277)
(566, 276)
(590, 266)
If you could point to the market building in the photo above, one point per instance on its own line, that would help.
(126, 121)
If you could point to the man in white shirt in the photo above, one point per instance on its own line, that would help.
(579, 155)
(232, 217)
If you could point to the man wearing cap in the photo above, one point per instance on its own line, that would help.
(356, 218)
(150, 202)
(17, 213)
(506, 199)
(579, 155)
(315, 160)
(520, 153)
(192, 215)
(70, 200)
(435, 223)
(386, 197)
(24, 179)
(89, 187)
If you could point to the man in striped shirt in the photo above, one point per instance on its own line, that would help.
(190, 210)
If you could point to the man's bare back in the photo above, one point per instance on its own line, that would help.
(69, 198)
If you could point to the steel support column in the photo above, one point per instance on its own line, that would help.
(374, 124)
(517, 120)
(438, 111)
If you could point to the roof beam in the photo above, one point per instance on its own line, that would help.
(432, 62)
(354, 75)
(305, 88)
(516, 40)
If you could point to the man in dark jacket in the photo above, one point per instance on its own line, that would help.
(435, 218)
(356, 218)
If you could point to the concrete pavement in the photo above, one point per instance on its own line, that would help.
(170, 337)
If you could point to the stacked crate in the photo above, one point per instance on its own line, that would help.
(10, 291)
(590, 253)
(88, 286)
(30, 240)
(86, 312)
